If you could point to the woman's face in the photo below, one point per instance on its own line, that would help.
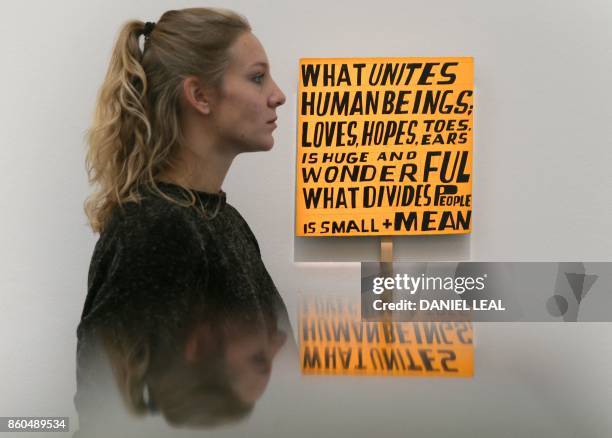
(243, 109)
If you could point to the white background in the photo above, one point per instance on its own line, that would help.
(542, 153)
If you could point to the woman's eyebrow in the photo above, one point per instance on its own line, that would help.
(260, 63)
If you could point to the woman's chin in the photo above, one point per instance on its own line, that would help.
(267, 145)
(264, 144)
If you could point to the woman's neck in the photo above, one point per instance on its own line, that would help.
(202, 164)
(201, 173)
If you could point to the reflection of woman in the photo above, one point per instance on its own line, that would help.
(169, 120)
(209, 373)
(199, 365)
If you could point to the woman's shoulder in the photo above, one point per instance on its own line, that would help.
(148, 248)
(238, 223)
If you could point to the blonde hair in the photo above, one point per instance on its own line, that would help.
(136, 131)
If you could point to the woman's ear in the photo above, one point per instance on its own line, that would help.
(195, 95)
(200, 343)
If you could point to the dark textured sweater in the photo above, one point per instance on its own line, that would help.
(158, 255)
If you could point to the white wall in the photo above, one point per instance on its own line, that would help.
(542, 150)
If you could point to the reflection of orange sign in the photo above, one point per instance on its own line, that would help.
(384, 146)
(333, 340)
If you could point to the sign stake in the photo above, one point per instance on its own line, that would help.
(386, 249)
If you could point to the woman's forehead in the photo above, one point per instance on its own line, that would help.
(247, 52)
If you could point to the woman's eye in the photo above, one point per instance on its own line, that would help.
(258, 79)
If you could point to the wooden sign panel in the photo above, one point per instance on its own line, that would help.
(384, 146)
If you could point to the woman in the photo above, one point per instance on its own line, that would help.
(169, 120)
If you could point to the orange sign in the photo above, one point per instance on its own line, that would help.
(384, 146)
(333, 340)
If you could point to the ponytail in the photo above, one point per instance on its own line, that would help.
(120, 128)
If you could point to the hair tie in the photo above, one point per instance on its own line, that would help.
(148, 28)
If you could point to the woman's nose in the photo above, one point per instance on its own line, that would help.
(278, 97)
